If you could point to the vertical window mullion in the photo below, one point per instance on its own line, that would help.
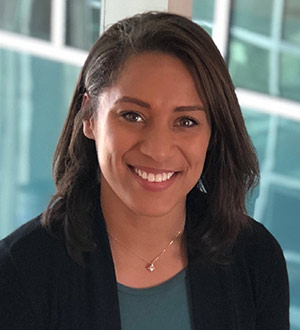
(221, 25)
(58, 22)
(276, 33)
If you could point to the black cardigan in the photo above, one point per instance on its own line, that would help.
(41, 287)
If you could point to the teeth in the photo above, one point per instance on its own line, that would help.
(158, 178)
(169, 175)
(151, 177)
(154, 177)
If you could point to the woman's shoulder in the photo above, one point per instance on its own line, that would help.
(22, 234)
(259, 253)
(31, 263)
(260, 270)
(255, 239)
(29, 247)
(29, 236)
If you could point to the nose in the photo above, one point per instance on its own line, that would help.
(158, 142)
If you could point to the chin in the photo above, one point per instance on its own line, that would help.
(157, 209)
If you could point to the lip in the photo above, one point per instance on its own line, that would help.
(153, 186)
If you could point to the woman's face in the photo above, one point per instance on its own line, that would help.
(151, 135)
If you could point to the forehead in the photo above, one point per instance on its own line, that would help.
(156, 75)
(153, 64)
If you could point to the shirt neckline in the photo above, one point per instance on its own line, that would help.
(167, 285)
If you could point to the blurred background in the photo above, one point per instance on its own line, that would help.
(44, 43)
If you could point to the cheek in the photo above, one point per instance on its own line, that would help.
(198, 155)
(113, 146)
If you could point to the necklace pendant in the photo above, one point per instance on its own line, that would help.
(150, 268)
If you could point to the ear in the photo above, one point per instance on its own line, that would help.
(88, 124)
(89, 128)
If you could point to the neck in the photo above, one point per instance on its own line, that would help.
(141, 232)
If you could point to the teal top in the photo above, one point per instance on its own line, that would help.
(165, 306)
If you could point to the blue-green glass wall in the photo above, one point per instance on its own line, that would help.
(34, 98)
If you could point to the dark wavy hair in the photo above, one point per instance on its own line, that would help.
(231, 167)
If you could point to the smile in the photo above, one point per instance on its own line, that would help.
(151, 177)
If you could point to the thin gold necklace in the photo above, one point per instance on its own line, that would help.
(149, 264)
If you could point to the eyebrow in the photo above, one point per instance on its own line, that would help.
(128, 99)
(190, 108)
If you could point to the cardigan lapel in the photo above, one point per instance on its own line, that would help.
(210, 284)
(211, 303)
(105, 310)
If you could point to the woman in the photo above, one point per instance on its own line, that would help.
(148, 227)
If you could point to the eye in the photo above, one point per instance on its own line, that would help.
(187, 122)
(132, 117)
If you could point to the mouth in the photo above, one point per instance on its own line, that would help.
(154, 179)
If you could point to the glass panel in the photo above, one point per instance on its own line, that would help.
(263, 62)
(83, 23)
(254, 15)
(290, 75)
(258, 127)
(291, 27)
(203, 13)
(33, 105)
(28, 17)
(249, 65)
(287, 153)
(278, 204)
